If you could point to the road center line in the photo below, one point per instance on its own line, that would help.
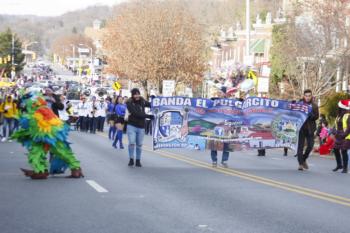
(96, 186)
(254, 178)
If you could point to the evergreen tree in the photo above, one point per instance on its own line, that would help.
(7, 54)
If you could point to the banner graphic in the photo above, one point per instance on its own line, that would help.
(254, 123)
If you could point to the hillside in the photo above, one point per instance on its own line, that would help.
(212, 14)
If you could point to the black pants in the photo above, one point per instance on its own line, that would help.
(309, 137)
(100, 123)
(93, 124)
(342, 158)
(83, 123)
(148, 127)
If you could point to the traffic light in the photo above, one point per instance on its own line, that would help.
(9, 58)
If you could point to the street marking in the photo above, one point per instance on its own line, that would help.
(257, 179)
(96, 186)
(276, 159)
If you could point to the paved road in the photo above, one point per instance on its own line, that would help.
(175, 191)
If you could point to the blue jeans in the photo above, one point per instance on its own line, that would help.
(8, 127)
(225, 154)
(135, 137)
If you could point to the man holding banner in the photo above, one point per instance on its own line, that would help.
(307, 131)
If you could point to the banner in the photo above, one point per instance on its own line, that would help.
(254, 123)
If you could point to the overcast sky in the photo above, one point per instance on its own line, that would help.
(48, 7)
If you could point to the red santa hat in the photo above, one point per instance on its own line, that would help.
(344, 104)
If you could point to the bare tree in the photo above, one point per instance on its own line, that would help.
(62, 46)
(151, 41)
(315, 46)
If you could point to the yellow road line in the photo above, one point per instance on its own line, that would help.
(257, 179)
(265, 179)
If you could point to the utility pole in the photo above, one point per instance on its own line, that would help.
(13, 51)
(13, 72)
(247, 50)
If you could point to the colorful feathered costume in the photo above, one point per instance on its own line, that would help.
(41, 131)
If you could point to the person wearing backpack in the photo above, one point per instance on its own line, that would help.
(136, 124)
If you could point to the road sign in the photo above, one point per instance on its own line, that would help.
(83, 50)
(116, 86)
(263, 85)
(168, 87)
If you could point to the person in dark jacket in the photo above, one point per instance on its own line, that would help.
(136, 125)
(342, 136)
(53, 101)
(307, 131)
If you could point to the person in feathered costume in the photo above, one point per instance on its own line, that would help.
(41, 131)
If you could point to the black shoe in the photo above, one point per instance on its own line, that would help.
(131, 163)
(345, 170)
(138, 163)
(337, 168)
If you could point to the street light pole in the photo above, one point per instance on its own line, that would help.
(13, 51)
(13, 72)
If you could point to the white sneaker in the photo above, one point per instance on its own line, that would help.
(224, 164)
(3, 139)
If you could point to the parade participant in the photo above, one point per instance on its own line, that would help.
(119, 122)
(136, 124)
(307, 131)
(41, 131)
(92, 115)
(148, 124)
(54, 101)
(9, 110)
(111, 117)
(101, 114)
(69, 111)
(83, 115)
(213, 146)
(342, 136)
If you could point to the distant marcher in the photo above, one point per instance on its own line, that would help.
(101, 115)
(92, 115)
(9, 110)
(148, 126)
(120, 109)
(111, 117)
(83, 113)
